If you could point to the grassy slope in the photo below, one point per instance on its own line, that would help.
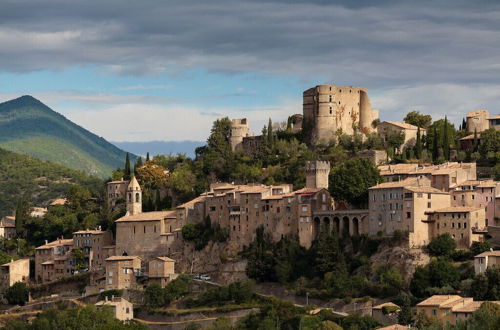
(29, 127)
(41, 180)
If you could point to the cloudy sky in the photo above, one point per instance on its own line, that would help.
(164, 70)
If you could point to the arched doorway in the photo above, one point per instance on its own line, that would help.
(355, 226)
(326, 225)
(345, 227)
(336, 225)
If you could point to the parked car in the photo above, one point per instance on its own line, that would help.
(205, 278)
(196, 276)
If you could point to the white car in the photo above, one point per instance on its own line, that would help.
(205, 278)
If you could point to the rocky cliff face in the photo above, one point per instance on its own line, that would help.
(212, 260)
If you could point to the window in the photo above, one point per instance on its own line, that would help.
(465, 225)
(428, 196)
(304, 208)
(472, 196)
(452, 225)
(429, 205)
(137, 198)
(408, 215)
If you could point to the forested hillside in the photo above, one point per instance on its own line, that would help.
(27, 126)
(38, 181)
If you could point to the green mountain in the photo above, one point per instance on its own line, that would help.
(29, 127)
(39, 181)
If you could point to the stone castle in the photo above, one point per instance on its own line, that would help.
(327, 111)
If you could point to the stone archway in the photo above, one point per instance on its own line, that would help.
(355, 226)
(336, 225)
(327, 224)
(345, 226)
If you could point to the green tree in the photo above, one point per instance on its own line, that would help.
(442, 273)
(17, 294)
(490, 142)
(418, 145)
(480, 247)
(435, 145)
(270, 134)
(127, 171)
(418, 119)
(23, 210)
(147, 157)
(442, 245)
(487, 317)
(349, 181)
(446, 140)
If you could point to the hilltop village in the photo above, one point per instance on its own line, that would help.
(416, 193)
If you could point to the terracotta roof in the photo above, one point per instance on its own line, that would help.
(488, 254)
(472, 307)
(48, 262)
(384, 305)
(402, 125)
(146, 216)
(59, 201)
(438, 300)
(307, 190)
(191, 202)
(395, 184)
(494, 117)
(58, 242)
(470, 137)
(118, 258)
(118, 181)
(455, 303)
(274, 197)
(112, 302)
(13, 262)
(425, 190)
(394, 327)
(452, 209)
(89, 231)
(165, 259)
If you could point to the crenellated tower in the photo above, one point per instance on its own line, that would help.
(317, 173)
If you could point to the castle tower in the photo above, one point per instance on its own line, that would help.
(134, 197)
(477, 120)
(239, 130)
(328, 109)
(317, 174)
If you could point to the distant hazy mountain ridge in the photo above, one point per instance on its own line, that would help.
(161, 147)
(27, 126)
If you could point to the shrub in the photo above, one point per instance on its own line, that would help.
(17, 294)
(110, 293)
(442, 245)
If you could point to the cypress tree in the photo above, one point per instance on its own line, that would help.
(435, 148)
(147, 157)
(127, 167)
(139, 162)
(270, 133)
(464, 124)
(446, 141)
(418, 145)
(476, 141)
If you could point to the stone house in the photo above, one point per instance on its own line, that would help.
(386, 128)
(116, 193)
(121, 272)
(8, 227)
(123, 309)
(404, 206)
(443, 176)
(92, 243)
(449, 308)
(13, 272)
(161, 270)
(54, 260)
(473, 193)
(485, 260)
(464, 224)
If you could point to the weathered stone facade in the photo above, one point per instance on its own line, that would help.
(331, 109)
(239, 130)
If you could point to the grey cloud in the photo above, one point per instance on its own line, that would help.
(375, 44)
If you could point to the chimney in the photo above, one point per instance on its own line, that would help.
(112, 297)
(105, 298)
(46, 242)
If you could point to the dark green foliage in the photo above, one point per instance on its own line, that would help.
(487, 317)
(442, 245)
(417, 119)
(435, 144)
(418, 145)
(110, 294)
(23, 210)
(200, 233)
(17, 294)
(439, 273)
(127, 171)
(489, 148)
(350, 181)
(446, 140)
(29, 127)
(88, 317)
(479, 247)
(235, 293)
(156, 296)
(36, 181)
(486, 286)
